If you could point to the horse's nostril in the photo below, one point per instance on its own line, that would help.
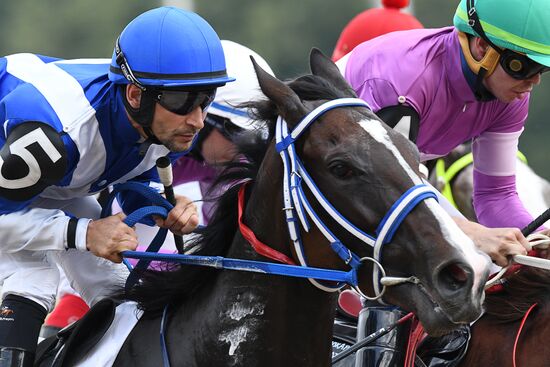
(458, 273)
(454, 276)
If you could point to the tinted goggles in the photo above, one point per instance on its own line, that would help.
(183, 102)
(223, 125)
(519, 66)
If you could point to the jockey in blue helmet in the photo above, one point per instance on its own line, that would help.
(90, 120)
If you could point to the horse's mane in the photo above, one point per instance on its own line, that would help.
(179, 282)
(521, 291)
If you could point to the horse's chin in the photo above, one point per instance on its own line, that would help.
(436, 319)
(436, 322)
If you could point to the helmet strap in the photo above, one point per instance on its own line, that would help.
(482, 94)
(150, 136)
(489, 61)
(143, 114)
(481, 69)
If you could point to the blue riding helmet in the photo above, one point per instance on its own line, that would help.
(168, 48)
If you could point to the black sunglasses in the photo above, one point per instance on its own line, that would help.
(223, 125)
(183, 102)
(517, 65)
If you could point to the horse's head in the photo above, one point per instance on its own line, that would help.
(363, 168)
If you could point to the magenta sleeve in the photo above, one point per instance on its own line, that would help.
(497, 203)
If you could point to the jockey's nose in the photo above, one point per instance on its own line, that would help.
(195, 118)
(535, 79)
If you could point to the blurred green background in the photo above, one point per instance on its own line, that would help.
(283, 31)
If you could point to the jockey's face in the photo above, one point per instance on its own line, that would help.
(217, 149)
(500, 83)
(176, 132)
(507, 89)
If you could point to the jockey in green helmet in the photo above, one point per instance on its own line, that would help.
(516, 33)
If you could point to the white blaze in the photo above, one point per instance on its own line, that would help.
(451, 232)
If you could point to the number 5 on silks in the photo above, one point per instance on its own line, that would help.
(32, 158)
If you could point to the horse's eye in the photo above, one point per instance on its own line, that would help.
(341, 170)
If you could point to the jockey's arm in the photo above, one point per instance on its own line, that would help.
(496, 200)
(33, 158)
(498, 243)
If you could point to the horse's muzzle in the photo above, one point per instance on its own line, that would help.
(453, 281)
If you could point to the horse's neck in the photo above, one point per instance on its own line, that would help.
(258, 320)
(492, 342)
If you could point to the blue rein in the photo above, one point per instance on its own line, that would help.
(219, 262)
(162, 207)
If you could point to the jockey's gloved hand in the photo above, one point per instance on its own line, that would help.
(499, 243)
(109, 236)
(182, 219)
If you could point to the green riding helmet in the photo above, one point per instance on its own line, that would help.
(519, 25)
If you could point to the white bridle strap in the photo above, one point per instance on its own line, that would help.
(332, 211)
(289, 209)
(390, 223)
(313, 115)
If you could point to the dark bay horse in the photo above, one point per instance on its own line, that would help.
(362, 168)
(499, 335)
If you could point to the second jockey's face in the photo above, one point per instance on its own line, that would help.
(217, 149)
(506, 89)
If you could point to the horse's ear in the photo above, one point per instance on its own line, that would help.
(288, 103)
(324, 67)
